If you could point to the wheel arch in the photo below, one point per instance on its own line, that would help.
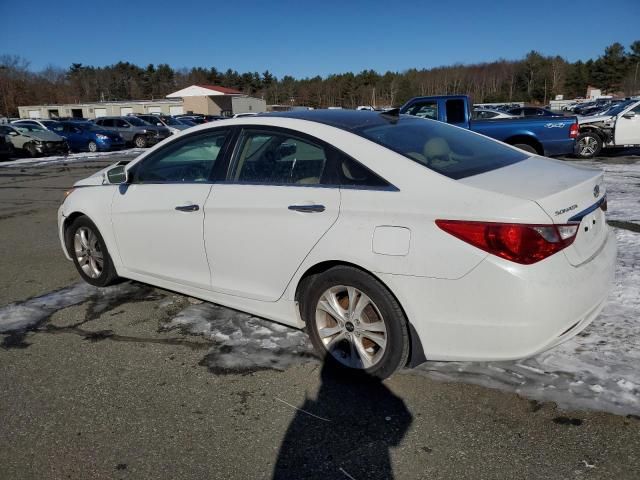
(596, 131)
(527, 140)
(416, 352)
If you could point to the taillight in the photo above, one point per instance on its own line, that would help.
(573, 130)
(520, 243)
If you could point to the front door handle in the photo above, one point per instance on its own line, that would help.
(188, 208)
(307, 208)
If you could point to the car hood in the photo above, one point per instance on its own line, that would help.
(44, 135)
(582, 120)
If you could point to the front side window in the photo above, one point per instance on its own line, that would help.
(278, 158)
(190, 159)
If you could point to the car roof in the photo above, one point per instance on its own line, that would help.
(349, 120)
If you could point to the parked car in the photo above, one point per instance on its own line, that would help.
(185, 121)
(485, 114)
(45, 124)
(390, 238)
(134, 131)
(619, 126)
(87, 136)
(6, 148)
(245, 114)
(171, 123)
(196, 119)
(34, 140)
(542, 135)
(532, 112)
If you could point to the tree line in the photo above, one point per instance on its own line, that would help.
(534, 79)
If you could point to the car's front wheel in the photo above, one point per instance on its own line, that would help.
(588, 145)
(89, 252)
(355, 323)
(140, 141)
(31, 150)
(93, 146)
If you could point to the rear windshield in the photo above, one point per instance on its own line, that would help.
(448, 150)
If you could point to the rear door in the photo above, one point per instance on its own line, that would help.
(274, 207)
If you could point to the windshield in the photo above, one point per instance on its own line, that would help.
(30, 128)
(616, 109)
(448, 150)
(171, 121)
(137, 122)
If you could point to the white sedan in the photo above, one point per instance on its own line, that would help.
(391, 239)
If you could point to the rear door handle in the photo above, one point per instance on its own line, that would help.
(188, 208)
(307, 208)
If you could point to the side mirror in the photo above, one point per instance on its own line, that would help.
(629, 115)
(159, 124)
(13, 133)
(116, 175)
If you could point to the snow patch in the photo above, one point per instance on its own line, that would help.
(71, 158)
(243, 342)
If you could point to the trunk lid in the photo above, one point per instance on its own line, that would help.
(567, 193)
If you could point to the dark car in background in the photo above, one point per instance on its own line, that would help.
(168, 121)
(134, 131)
(532, 112)
(87, 136)
(6, 148)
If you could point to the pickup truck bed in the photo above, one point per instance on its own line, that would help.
(550, 136)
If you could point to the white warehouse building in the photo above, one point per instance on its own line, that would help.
(202, 99)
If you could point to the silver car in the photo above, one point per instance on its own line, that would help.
(134, 130)
(34, 140)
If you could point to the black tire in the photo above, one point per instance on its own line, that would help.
(92, 146)
(588, 145)
(31, 150)
(526, 147)
(140, 141)
(108, 274)
(395, 354)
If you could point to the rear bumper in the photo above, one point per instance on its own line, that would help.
(506, 311)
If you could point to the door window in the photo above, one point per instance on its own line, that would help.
(455, 110)
(278, 159)
(189, 159)
(424, 110)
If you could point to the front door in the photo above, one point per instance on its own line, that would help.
(628, 128)
(158, 218)
(273, 209)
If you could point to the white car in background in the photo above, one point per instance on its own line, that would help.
(392, 239)
(487, 114)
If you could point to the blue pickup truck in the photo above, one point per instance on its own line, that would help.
(550, 136)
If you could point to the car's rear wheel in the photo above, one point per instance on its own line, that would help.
(355, 323)
(93, 146)
(140, 141)
(89, 252)
(526, 147)
(588, 145)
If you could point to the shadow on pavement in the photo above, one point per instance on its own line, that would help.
(346, 432)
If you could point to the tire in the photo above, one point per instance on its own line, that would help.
(373, 343)
(92, 146)
(526, 147)
(140, 141)
(588, 145)
(31, 150)
(91, 249)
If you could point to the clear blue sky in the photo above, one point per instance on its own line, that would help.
(310, 38)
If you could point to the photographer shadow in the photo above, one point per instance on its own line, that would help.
(360, 420)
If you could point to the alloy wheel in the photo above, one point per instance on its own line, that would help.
(89, 256)
(588, 146)
(351, 327)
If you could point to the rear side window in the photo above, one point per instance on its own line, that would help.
(450, 151)
(275, 158)
(455, 110)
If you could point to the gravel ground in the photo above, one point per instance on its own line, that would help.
(102, 389)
